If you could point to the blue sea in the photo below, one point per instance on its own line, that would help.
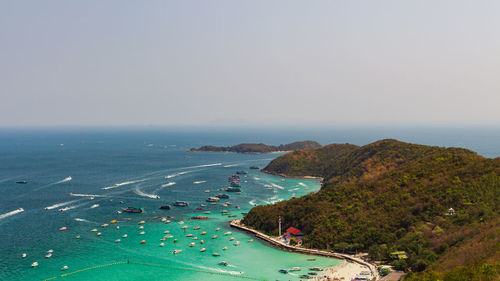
(91, 173)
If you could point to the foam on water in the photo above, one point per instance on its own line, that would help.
(60, 205)
(144, 194)
(198, 182)
(168, 184)
(232, 165)
(121, 184)
(11, 213)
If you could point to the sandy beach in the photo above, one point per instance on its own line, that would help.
(346, 271)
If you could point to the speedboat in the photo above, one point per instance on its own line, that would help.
(24, 255)
(225, 248)
(201, 242)
(192, 245)
(215, 254)
(189, 235)
(203, 250)
(284, 271)
(204, 233)
(94, 206)
(64, 268)
(166, 231)
(99, 234)
(181, 222)
(237, 243)
(63, 228)
(203, 205)
(181, 203)
(143, 242)
(217, 229)
(113, 221)
(118, 240)
(105, 225)
(142, 222)
(22, 182)
(215, 236)
(228, 233)
(162, 244)
(141, 227)
(165, 207)
(124, 236)
(294, 269)
(196, 227)
(315, 268)
(169, 236)
(132, 210)
(251, 240)
(142, 233)
(50, 251)
(195, 238)
(78, 237)
(117, 227)
(175, 240)
(223, 263)
(231, 239)
(185, 227)
(35, 264)
(176, 251)
(212, 199)
(48, 255)
(168, 221)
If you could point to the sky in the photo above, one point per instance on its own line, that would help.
(249, 63)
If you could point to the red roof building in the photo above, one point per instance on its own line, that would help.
(292, 231)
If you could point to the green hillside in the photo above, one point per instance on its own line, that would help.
(389, 196)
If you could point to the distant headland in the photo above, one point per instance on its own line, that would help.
(259, 148)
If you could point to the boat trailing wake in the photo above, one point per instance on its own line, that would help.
(85, 195)
(168, 184)
(83, 220)
(277, 186)
(293, 189)
(11, 213)
(231, 165)
(303, 184)
(64, 180)
(175, 175)
(198, 182)
(256, 178)
(202, 166)
(141, 193)
(59, 205)
(222, 270)
(252, 203)
(121, 184)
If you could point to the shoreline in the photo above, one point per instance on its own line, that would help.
(288, 176)
(348, 270)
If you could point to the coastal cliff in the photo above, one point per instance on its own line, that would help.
(393, 196)
(258, 147)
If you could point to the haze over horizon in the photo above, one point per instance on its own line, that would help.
(227, 63)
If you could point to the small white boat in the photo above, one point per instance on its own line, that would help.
(189, 235)
(225, 248)
(192, 245)
(181, 222)
(105, 225)
(195, 238)
(251, 240)
(50, 251)
(142, 222)
(217, 229)
(124, 236)
(117, 227)
(185, 227)
(228, 233)
(215, 236)
(163, 219)
(141, 227)
(48, 255)
(215, 254)
(294, 269)
(142, 233)
(118, 212)
(162, 244)
(78, 237)
(64, 268)
(94, 206)
(24, 255)
(166, 231)
(63, 228)
(118, 240)
(35, 264)
(207, 191)
(99, 234)
(231, 239)
(203, 250)
(168, 221)
(176, 251)
(94, 230)
(142, 242)
(168, 236)
(237, 243)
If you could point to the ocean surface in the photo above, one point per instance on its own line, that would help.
(106, 170)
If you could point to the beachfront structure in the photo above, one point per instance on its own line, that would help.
(293, 233)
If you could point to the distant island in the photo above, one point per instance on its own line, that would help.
(430, 211)
(259, 147)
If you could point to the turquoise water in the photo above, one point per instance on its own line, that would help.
(135, 173)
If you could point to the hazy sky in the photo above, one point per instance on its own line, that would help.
(249, 62)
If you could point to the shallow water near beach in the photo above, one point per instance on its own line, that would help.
(112, 171)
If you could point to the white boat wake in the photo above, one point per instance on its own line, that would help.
(252, 203)
(168, 184)
(277, 186)
(231, 165)
(83, 220)
(141, 193)
(121, 184)
(303, 184)
(293, 189)
(198, 182)
(256, 178)
(59, 205)
(85, 195)
(175, 175)
(202, 166)
(11, 213)
(64, 180)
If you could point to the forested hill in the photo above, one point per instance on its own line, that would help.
(259, 147)
(391, 195)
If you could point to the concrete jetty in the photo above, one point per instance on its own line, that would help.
(280, 244)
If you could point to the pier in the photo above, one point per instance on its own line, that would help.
(280, 244)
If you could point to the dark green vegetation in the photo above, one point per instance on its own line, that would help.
(393, 196)
(259, 147)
